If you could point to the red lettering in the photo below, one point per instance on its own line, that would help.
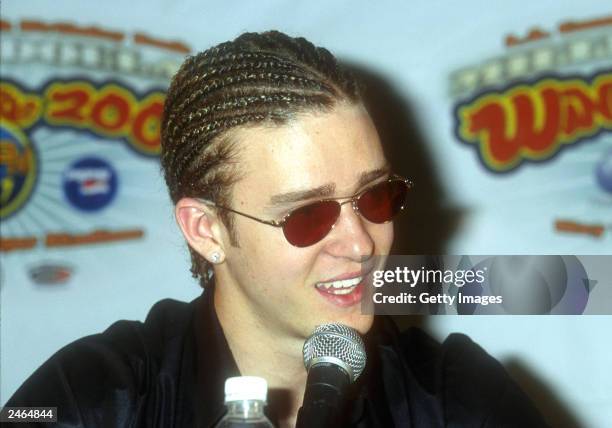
(75, 100)
(604, 100)
(147, 124)
(17, 107)
(111, 112)
(491, 120)
(578, 111)
(9, 108)
(537, 140)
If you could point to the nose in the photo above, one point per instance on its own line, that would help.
(350, 237)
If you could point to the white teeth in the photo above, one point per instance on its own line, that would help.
(344, 286)
(342, 291)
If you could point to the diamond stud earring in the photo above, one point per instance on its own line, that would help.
(215, 257)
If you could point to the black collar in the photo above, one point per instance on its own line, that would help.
(214, 363)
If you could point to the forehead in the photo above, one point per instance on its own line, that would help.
(312, 150)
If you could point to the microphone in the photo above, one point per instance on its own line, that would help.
(334, 356)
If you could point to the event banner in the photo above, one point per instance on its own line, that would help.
(488, 285)
(536, 117)
(79, 148)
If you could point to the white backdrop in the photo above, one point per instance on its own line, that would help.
(417, 46)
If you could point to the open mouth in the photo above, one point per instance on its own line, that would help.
(339, 287)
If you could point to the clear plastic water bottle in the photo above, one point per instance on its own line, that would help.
(245, 399)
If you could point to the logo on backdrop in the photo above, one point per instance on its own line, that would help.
(73, 98)
(50, 273)
(529, 105)
(90, 184)
(18, 169)
(110, 110)
(533, 121)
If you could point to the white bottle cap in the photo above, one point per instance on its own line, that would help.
(246, 388)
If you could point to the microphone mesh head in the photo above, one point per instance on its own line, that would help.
(336, 341)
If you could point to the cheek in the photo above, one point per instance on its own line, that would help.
(272, 260)
(383, 238)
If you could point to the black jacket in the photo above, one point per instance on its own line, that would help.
(170, 370)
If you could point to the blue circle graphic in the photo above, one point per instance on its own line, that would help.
(90, 184)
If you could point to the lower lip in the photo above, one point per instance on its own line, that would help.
(344, 300)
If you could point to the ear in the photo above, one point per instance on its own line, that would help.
(201, 228)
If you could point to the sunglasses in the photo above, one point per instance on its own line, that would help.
(308, 224)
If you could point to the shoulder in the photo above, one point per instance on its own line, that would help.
(473, 387)
(109, 372)
(126, 349)
(129, 350)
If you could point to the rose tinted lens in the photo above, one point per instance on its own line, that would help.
(383, 201)
(309, 224)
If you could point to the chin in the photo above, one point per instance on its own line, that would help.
(358, 321)
(362, 323)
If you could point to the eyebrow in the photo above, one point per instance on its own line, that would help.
(326, 190)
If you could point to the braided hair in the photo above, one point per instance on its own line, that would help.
(256, 78)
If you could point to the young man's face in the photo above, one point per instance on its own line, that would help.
(275, 282)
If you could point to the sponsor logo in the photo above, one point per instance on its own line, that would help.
(109, 110)
(50, 274)
(532, 122)
(18, 169)
(66, 88)
(519, 108)
(90, 184)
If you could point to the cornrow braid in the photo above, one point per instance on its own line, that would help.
(207, 91)
(237, 61)
(256, 78)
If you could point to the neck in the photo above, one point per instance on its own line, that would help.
(260, 351)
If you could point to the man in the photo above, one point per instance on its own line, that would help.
(284, 196)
